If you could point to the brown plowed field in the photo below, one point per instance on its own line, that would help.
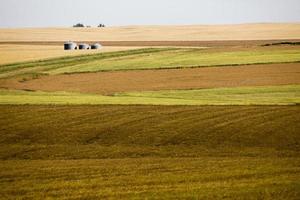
(212, 77)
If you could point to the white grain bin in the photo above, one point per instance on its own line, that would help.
(70, 46)
(83, 46)
(96, 46)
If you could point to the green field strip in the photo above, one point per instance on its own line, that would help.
(270, 95)
(40, 66)
(185, 58)
(161, 58)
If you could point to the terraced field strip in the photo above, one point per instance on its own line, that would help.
(35, 67)
(162, 58)
(183, 58)
(271, 95)
(109, 83)
(230, 96)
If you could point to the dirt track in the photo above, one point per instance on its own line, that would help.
(112, 82)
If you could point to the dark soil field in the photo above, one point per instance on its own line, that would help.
(133, 152)
(124, 81)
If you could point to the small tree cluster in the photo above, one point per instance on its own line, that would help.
(78, 25)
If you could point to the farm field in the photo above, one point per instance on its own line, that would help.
(263, 31)
(170, 43)
(167, 178)
(163, 112)
(151, 58)
(109, 83)
(183, 58)
(12, 53)
(271, 95)
(149, 151)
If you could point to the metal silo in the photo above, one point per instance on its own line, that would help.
(83, 46)
(70, 46)
(96, 46)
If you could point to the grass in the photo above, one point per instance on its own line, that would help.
(149, 152)
(182, 59)
(268, 95)
(150, 59)
(229, 96)
(54, 63)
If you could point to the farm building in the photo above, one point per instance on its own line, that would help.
(83, 46)
(70, 46)
(96, 46)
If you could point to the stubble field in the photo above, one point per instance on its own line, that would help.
(12, 53)
(159, 152)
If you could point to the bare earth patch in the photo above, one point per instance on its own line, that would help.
(145, 80)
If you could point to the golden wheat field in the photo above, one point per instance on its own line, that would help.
(12, 53)
(156, 33)
(27, 44)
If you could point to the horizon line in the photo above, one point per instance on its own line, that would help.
(151, 25)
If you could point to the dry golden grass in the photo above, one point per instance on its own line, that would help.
(12, 53)
(157, 33)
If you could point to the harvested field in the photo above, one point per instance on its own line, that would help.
(127, 152)
(89, 132)
(158, 178)
(157, 33)
(125, 81)
(12, 53)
